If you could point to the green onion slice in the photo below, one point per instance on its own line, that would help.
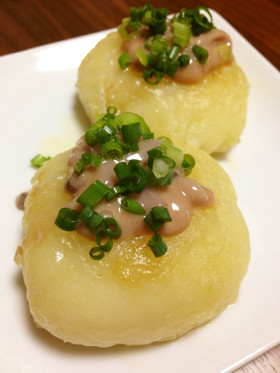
(181, 33)
(131, 134)
(165, 140)
(138, 179)
(174, 153)
(188, 164)
(152, 76)
(201, 19)
(111, 228)
(91, 218)
(157, 217)
(132, 206)
(112, 110)
(200, 53)
(128, 118)
(93, 194)
(87, 159)
(100, 238)
(124, 61)
(173, 66)
(161, 213)
(157, 245)
(142, 56)
(162, 171)
(39, 160)
(112, 149)
(67, 219)
(123, 173)
(148, 136)
(105, 133)
(114, 192)
(96, 253)
(184, 60)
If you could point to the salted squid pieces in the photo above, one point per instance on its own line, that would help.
(179, 72)
(130, 240)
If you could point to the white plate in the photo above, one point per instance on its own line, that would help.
(40, 114)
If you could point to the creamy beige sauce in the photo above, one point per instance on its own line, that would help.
(179, 198)
(20, 200)
(216, 42)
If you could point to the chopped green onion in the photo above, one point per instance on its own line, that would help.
(164, 56)
(202, 20)
(162, 166)
(114, 192)
(132, 206)
(132, 177)
(122, 172)
(200, 53)
(129, 28)
(107, 246)
(124, 61)
(96, 253)
(95, 222)
(105, 133)
(161, 213)
(165, 140)
(131, 134)
(112, 110)
(181, 33)
(128, 118)
(156, 44)
(157, 245)
(142, 56)
(90, 135)
(95, 160)
(157, 217)
(148, 16)
(184, 60)
(112, 149)
(79, 167)
(87, 159)
(93, 194)
(174, 153)
(174, 52)
(156, 20)
(148, 136)
(162, 171)
(39, 160)
(91, 218)
(138, 179)
(152, 76)
(67, 219)
(156, 152)
(86, 214)
(173, 66)
(188, 164)
(111, 228)
(135, 13)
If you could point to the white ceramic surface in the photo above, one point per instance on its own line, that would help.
(41, 114)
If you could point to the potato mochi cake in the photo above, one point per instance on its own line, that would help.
(130, 296)
(206, 109)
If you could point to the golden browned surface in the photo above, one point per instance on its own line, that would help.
(131, 297)
(210, 115)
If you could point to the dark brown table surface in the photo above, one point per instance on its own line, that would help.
(29, 23)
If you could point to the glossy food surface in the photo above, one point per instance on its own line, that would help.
(131, 297)
(210, 115)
